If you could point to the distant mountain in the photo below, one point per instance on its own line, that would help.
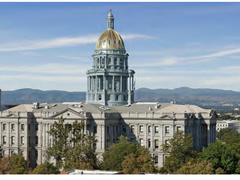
(25, 96)
(182, 95)
(188, 95)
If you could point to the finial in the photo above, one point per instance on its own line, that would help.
(110, 20)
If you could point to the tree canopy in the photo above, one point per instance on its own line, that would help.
(72, 147)
(180, 151)
(132, 158)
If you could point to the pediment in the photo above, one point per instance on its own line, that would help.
(68, 114)
(165, 116)
(12, 115)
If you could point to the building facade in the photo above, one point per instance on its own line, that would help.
(109, 111)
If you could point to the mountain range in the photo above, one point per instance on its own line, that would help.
(183, 95)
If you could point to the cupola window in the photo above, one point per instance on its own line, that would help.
(109, 41)
(99, 43)
(114, 41)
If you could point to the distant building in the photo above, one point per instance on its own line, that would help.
(235, 124)
(109, 112)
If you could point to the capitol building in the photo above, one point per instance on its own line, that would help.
(109, 111)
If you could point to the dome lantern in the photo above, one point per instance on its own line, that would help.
(110, 20)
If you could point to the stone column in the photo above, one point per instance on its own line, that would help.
(121, 84)
(113, 84)
(208, 134)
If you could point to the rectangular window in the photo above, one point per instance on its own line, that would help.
(36, 127)
(22, 140)
(4, 127)
(22, 127)
(141, 129)
(107, 129)
(156, 143)
(156, 159)
(167, 142)
(13, 127)
(156, 129)
(95, 129)
(132, 128)
(149, 129)
(167, 129)
(149, 143)
(141, 142)
(124, 128)
(4, 139)
(36, 140)
(12, 140)
(29, 127)
(29, 140)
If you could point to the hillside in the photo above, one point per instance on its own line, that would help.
(183, 95)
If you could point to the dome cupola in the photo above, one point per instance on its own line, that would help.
(110, 40)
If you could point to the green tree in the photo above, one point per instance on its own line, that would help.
(180, 150)
(72, 146)
(203, 167)
(128, 156)
(221, 156)
(16, 164)
(140, 161)
(46, 168)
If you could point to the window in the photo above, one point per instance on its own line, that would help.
(124, 128)
(156, 143)
(167, 142)
(95, 129)
(36, 154)
(109, 42)
(149, 143)
(156, 159)
(12, 140)
(13, 127)
(29, 140)
(22, 127)
(4, 127)
(156, 129)
(167, 129)
(36, 140)
(36, 127)
(141, 129)
(132, 128)
(22, 140)
(29, 127)
(107, 129)
(149, 129)
(141, 142)
(178, 128)
(4, 139)
(11, 153)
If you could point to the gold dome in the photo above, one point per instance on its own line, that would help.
(110, 39)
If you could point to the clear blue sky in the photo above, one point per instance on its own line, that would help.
(49, 46)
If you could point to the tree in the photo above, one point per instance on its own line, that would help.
(140, 161)
(46, 168)
(127, 156)
(221, 156)
(16, 164)
(203, 167)
(72, 146)
(180, 150)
